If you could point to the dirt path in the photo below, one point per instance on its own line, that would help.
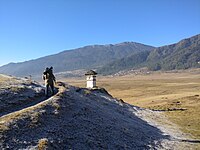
(33, 102)
(158, 119)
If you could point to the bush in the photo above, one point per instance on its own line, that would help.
(43, 144)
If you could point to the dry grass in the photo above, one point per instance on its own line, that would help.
(3, 80)
(17, 89)
(159, 91)
(43, 144)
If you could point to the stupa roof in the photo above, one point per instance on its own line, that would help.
(91, 72)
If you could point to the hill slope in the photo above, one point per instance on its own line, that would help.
(131, 62)
(16, 93)
(182, 55)
(78, 118)
(82, 58)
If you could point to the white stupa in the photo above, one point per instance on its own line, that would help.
(91, 79)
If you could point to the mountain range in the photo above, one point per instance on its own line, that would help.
(182, 55)
(112, 58)
(87, 57)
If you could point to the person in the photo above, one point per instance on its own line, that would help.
(49, 79)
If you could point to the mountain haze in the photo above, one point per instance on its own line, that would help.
(82, 58)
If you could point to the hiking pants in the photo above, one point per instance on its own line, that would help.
(49, 89)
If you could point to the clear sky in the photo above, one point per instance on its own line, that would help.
(31, 29)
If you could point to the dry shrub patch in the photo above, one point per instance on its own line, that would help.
(43, 144)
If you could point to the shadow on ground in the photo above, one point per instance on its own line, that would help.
(14, 99)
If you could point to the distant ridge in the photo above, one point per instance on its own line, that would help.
(182, 55)
(113, 58)
(88, 57)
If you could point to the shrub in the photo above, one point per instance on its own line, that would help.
(43, 144)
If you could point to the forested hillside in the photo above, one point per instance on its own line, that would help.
(182, 55)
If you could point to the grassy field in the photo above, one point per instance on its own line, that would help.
(177, 94)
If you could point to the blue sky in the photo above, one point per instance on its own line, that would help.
(31, 29)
